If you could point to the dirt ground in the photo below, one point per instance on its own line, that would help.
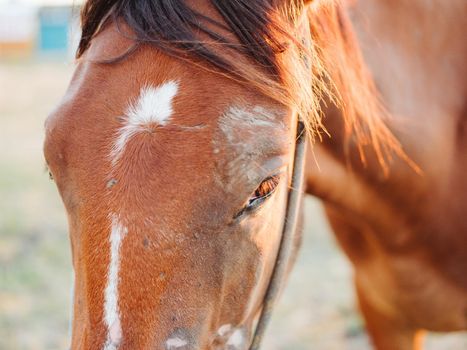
(316, 310)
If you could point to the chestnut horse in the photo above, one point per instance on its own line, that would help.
(405, 233)
(173, 150)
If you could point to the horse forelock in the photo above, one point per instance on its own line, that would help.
(260, 44)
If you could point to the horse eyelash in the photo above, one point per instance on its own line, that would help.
(47, 170)
(268, 185)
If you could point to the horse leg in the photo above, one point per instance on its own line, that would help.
(386, 332)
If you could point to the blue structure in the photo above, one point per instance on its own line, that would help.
(54, 27)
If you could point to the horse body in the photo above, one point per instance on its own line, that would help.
(406, 233)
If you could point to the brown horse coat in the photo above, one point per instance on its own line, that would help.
(160, 156)
(405, 232)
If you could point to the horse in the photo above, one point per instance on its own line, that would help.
(404, 232)
(174, 148)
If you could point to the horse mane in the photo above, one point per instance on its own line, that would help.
(264, 31)
(351, 86)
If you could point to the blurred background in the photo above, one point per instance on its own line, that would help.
(37, 44)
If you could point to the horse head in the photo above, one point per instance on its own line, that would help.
(173, 151)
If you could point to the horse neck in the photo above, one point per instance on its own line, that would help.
(415, 51)
(417, 43)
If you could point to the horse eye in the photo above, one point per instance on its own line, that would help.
(261, 194)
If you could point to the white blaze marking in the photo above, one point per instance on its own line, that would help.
(237, 118)
(111, 312)
(175, 343)
(249, 133)
(154, 106)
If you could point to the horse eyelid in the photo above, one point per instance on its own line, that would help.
(47, 170)
(251, 209)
